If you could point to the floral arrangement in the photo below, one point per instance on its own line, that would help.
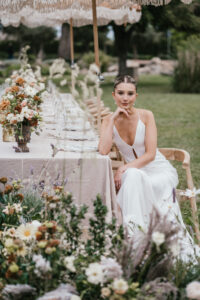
(45, 253)
(20, 104)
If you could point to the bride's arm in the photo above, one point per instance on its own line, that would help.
(105, 142)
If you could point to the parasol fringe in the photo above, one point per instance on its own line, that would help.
(52, 5)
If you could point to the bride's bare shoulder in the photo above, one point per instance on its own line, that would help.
(145, 114)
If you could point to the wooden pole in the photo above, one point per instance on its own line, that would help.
(72, 53)
(95, 33)
(71, 41)
(96, 52)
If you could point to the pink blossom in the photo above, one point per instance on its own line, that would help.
(24, 103)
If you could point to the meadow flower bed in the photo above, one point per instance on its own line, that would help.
(46, 254)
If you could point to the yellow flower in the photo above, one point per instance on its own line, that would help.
(13, 268)
(42, 244)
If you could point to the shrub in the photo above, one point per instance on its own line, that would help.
(187, 73)
(105, 60)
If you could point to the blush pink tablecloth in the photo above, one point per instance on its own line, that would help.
(87, 174)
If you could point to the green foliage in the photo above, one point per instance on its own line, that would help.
(105, 60)
(7, 71)
(187, 72)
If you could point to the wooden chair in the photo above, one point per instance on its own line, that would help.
(170, 154)
(184, 157)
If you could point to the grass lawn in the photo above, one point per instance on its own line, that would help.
(177, 117)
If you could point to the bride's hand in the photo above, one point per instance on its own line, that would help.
(118, 176)
(119, 111)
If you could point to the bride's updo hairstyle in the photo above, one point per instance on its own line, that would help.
(123, 79)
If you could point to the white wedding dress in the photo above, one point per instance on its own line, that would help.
(150, 186)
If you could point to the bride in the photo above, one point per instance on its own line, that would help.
(147, 180)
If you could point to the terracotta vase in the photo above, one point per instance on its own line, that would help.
(24, 139)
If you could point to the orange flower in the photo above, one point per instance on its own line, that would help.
(21, 96)
(38, 235)
(18, 108)
(15, 89)
(53, 243)
(42, 228)
(3, 180)
(4, 104)
(20, 197)
(8, 189)
(36, 98)
(20, 81)
(11, 258)
(33, 122)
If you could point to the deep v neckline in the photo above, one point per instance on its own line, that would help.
(134, 137)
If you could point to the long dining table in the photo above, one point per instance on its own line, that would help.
(66, 150)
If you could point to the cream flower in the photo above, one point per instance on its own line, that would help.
(158, 238)
(69, 263)
(193, 290)
(22, 251)
(11, 232)
(120, 286)
(105, 292)
(190, 193)
(94, 273)
(9, 243)
(26, 232)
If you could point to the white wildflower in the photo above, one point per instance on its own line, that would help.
(94, 273)
(120, 286)
(42, 266)
(10, 116)
(190, 193)
(10, 96)
(36, 224)
(193, 290)
(175, 249)
(9, 243)
(158, 238)
(17, 207)
(30, 91)
(69, 263)
(26, 231)
(111, 268)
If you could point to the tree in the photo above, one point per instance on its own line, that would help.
(37, 38)
(176, 15)
(64, 43)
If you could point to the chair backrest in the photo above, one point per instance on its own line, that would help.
(184, 157)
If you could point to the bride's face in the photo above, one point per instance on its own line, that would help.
(125, 95)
